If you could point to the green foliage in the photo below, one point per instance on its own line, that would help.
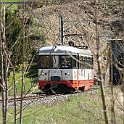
(13, 30)
(17, 40)
(33, 71)
(27, 84)
(19, 43)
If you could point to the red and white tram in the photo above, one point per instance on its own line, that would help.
(65, 68)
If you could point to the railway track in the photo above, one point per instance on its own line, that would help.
(42, 98)
(36, 100)
(28, 97)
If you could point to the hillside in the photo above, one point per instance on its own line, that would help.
(79, 19)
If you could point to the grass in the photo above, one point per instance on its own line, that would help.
(30, 82)
(76, 110)
(27, 84)
(80, 109)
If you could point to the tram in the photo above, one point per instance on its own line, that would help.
(65, 69)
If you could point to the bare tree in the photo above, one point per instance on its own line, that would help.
(4, 81)
(5, 58)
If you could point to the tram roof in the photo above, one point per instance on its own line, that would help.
(63, 50)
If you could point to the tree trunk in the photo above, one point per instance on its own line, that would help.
(23, 68)
(14, 83)
(99, 70)
(6, 64)
(2, 42)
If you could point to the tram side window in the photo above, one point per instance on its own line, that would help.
(89, 62)
(75, 63)
(82, 62)
(46, 62)
(86, 62)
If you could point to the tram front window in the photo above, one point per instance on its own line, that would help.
(65, 62)
(55, 62)
(49, 62)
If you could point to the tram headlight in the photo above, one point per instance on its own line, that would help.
(67, 73)
(43, 73)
